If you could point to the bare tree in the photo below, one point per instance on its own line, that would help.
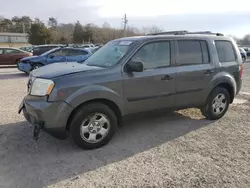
(106, 25)
(152, 29)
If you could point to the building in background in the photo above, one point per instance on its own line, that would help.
(13, 39)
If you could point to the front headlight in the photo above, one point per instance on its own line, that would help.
(41, 87)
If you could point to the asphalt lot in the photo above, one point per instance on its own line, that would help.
(179, 149)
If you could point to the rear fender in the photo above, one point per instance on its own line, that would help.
(223, 78)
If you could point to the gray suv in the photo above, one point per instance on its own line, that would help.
(130, 75)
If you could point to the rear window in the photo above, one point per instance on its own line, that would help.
(225, 51)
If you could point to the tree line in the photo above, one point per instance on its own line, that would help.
(243, 41)
(52, 32)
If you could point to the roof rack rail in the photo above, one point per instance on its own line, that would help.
(184, 32)
(168, 32)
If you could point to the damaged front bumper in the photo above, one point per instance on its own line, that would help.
(24, 67)
(51, 117)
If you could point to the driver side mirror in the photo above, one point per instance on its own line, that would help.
(134, 66)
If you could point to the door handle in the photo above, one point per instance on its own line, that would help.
(167, 77)
(208, 71)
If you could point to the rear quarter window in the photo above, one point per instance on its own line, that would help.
(226, 51)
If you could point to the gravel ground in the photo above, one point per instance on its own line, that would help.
(178, 149)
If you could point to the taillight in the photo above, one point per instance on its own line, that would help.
(241, 70)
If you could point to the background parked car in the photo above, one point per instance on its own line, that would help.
(98, 45)
(243, 54)
(247, 51)
(38, 50)
(61, 54)
(11, 56)
(27, 48)
(87, 46)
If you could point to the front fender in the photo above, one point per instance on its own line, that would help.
(92, 92)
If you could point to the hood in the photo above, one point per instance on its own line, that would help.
(29, 58)
(60, 69)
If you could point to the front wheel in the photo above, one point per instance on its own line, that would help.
(217, 104)
(93, 126)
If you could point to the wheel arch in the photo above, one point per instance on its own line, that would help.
(229, 88)
(107, 102)
(227, 81)
(35, 63)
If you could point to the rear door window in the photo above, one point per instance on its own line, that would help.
(225, 50)
(192, 52)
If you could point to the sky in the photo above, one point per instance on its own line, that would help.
(228, 17)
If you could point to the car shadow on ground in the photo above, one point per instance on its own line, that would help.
(26, 163)
(12, 76)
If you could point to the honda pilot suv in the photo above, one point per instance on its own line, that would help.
(87, 101)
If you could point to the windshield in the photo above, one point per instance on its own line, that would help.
(109, 54)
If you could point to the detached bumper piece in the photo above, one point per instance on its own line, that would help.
(36, 130)
(38, 125)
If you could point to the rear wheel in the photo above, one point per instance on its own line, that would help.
(93, 126)
(217, 104)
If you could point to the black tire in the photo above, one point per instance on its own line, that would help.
(36, 66)
(82, 114)
(207, 109)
